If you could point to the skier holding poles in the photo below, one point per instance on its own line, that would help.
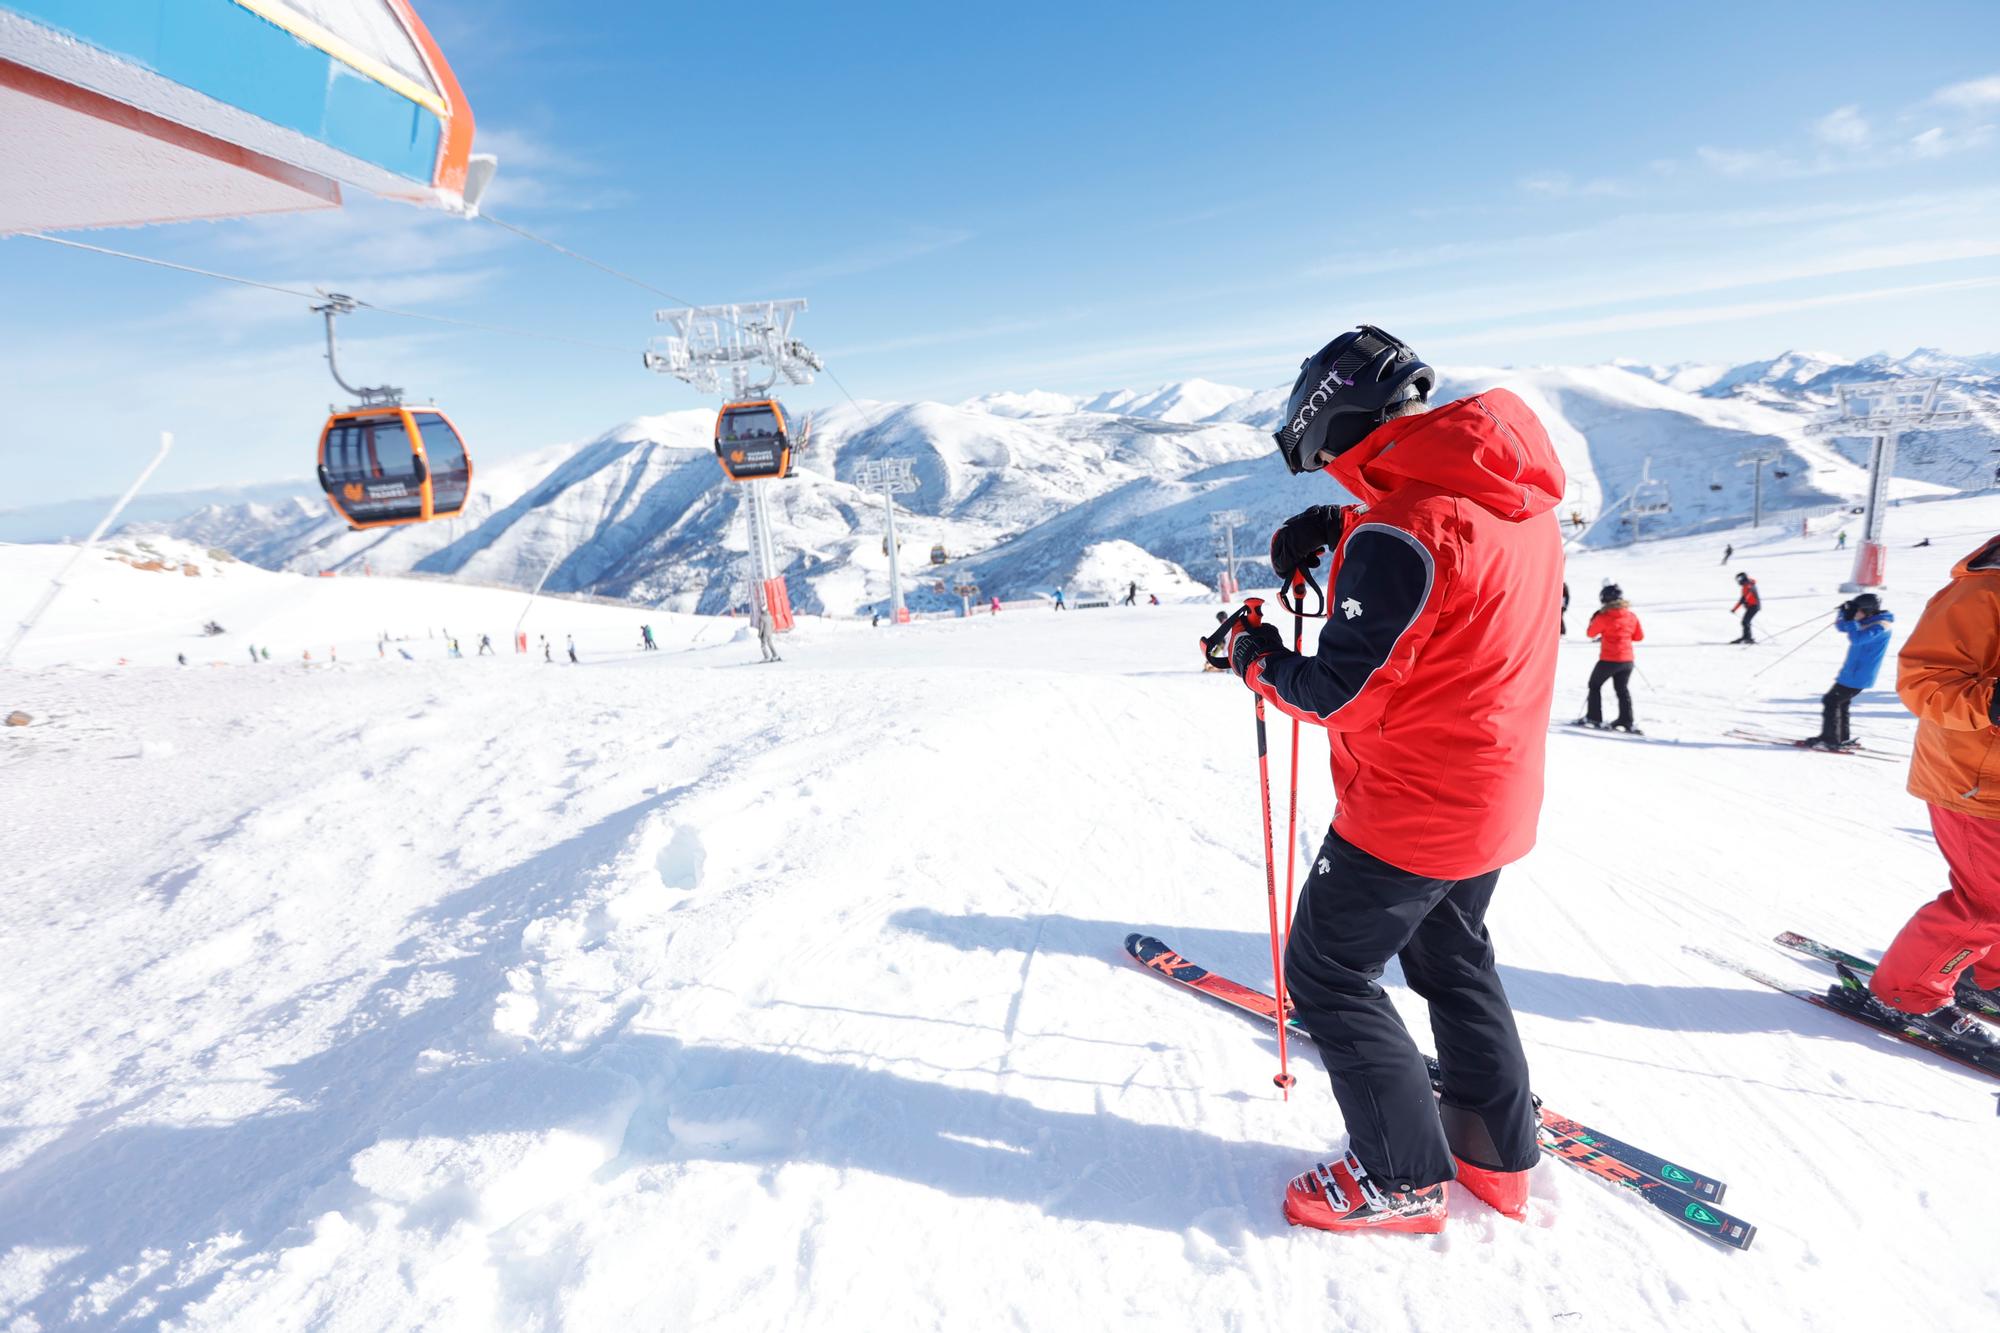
(1866, 626)
(1749, 603)
(1433, 674)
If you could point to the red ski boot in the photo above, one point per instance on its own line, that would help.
(1505, 1192)
(1341, 1197)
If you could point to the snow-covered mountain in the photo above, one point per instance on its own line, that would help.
(1028, 491)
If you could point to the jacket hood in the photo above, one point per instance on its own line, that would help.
(1490, 448)
(1985, 560)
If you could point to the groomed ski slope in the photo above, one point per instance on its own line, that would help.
(673, 991)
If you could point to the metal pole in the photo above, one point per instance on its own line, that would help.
(1757, 505)
(554, 560)
(1229, 545)
(56, 584)
(896, 612)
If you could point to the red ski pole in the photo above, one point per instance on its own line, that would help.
(1292, 825)
(1253, 609)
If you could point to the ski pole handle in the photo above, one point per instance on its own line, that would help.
(1294, 595)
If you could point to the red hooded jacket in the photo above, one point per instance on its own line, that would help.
(1617, 629)
(1436, 666)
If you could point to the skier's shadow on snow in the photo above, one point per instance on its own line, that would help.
(115, 1186)
(1246, 956)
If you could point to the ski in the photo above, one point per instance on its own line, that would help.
(1826, 953)
(1767, 739)
(1902, 1032)
(1685, 1195)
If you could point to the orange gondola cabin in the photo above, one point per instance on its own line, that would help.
(753, 440)
(385, 466)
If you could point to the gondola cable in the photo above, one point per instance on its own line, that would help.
(503, 329)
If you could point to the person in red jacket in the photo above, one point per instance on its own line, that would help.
(1749, 603)
(1433, 675)
(1616, 629)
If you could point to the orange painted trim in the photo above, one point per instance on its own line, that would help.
(455, 149)
(69, 96)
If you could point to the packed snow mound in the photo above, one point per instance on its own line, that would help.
(1109, 571)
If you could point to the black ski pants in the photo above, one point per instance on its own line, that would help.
(1357, 912)
(1749, 614)
(1833, 707)
(1620, 676)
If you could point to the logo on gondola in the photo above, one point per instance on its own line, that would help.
(352, 490)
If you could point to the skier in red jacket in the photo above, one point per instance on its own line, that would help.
(1749, 603)
(1433, 675)
(1616, 629)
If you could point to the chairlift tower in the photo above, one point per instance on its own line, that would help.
(1757, 458)
(892, 477)
(739, 340)
(1882, 409)
(1225, 522)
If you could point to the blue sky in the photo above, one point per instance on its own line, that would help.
(1067, 197)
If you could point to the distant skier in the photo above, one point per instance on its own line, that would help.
(1059, 599)
(1925, 542)
(485, 646)
(182, 658)
(996, 604)
(1866, 626)
(1436, 672)
(1749, 603)
(646, 639)
(1950, 950)
(1616, 629)
(548, 653)
(1727, 551)
(451, 647)
(1562, 621)
(875, 618)
(1132, 593)
(1152, 599)
(570, 639)
(253, 652)
(767, 643)
(266, 651)
(1840, 542)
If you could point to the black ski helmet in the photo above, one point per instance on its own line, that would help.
(1345, 390)
(1867, 604)
(1742, 578)
(1610, 593)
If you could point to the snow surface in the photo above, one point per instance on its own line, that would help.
(671, 991)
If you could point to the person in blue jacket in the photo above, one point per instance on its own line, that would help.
(1866, 625)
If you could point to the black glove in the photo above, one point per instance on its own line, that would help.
(1299, 540)
(1252, 643)
(1846, 611)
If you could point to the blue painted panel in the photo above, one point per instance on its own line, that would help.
(224, 51)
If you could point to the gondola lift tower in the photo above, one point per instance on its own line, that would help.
(752, 343)
(1883, 410)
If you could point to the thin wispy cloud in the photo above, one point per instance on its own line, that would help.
(871, 258)
(1713, 314)
(1971, 95)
